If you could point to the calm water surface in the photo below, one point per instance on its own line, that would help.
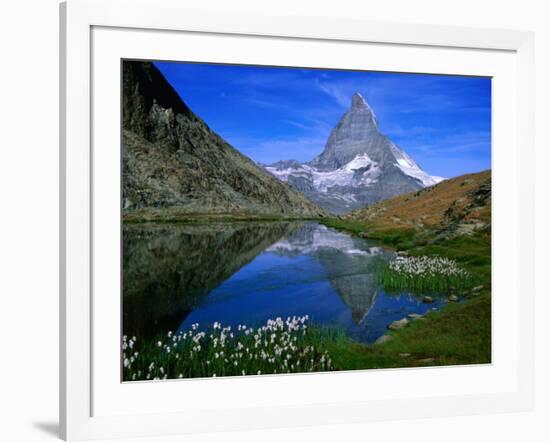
(246, 273)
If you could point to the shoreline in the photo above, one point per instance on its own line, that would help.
(197, 218)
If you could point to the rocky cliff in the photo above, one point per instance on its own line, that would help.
(174, 165)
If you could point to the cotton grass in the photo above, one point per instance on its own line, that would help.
(425, 274)
(279, 346)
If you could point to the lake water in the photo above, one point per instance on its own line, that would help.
(248, 272)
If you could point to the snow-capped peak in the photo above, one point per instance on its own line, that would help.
(358, 166)
(358, 101)
(359, 104)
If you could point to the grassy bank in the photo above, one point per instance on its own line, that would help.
(138, 217)
(459, 333)
(473, 252)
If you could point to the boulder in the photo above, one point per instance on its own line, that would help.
(414, 316)
(396, 325)
(382, 339)
(453, 298)
(427, 299)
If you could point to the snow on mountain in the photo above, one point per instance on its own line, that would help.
(409, 167)
(358, 166)
(324, 181)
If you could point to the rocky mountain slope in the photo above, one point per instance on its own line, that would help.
(460, 205)
(358, 166)
(174, 165)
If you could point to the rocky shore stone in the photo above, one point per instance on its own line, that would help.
(382, 339)
(396, 325)
(427, 299)
(453, 298)
(414, 316)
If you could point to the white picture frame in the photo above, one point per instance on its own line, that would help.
(80, 377)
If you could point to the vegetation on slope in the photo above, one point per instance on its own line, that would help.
(458, 205)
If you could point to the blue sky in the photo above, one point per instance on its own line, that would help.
(271, 114)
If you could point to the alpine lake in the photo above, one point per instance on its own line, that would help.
(179, 275)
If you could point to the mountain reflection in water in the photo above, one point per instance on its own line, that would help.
(248, 272)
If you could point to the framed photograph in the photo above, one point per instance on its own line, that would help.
(298, 220)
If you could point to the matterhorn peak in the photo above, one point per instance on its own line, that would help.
(358, 166)
(360, 105)
(362, 110)
(358, 101)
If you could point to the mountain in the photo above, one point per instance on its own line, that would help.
(460, 205)
(174, 165)
(358, 166)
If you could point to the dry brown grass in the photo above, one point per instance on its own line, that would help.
(453, 199)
